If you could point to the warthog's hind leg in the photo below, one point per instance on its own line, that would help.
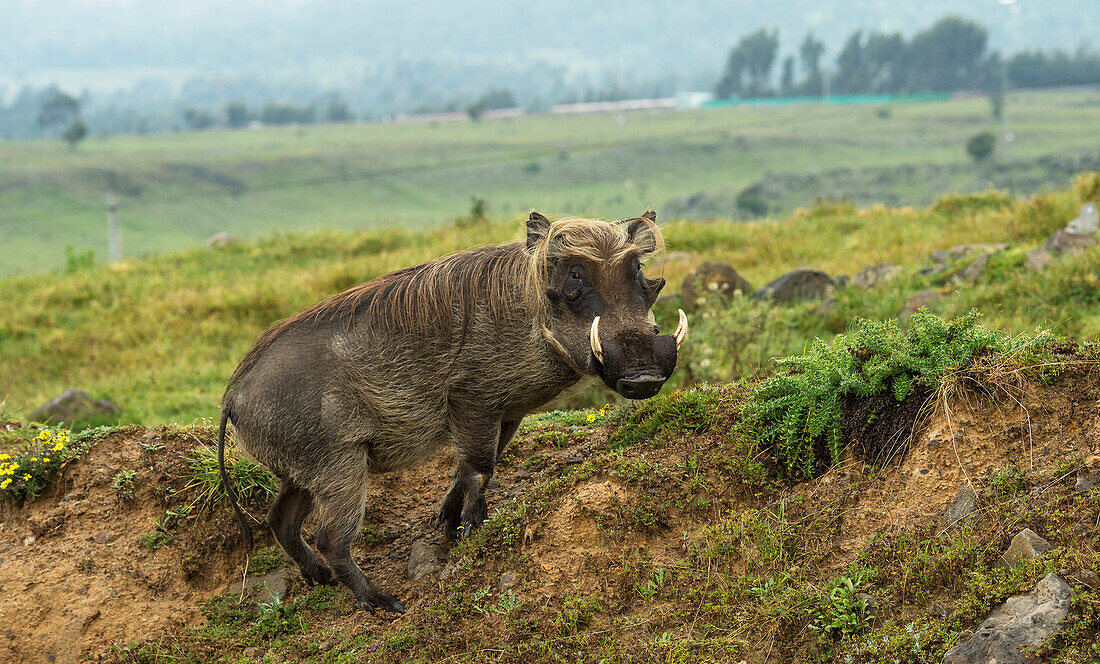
(285, 517)
(341, 516)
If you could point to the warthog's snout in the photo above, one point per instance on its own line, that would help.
(641, 387)
(637, 364)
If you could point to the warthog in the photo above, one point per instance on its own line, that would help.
(455, 350)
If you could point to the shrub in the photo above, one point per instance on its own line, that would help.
(801, 404)
(980, 146)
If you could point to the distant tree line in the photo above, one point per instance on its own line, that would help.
(950, 55)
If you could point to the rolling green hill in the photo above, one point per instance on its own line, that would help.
(177, 190)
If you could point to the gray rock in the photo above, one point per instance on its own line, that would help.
(873, 275)
(1024, 621)
(1064, 241)
(963, 508)
(1087, 221)
(919, 300)
(425, 558)
(712, 279)
(874, 608)
(800, 284)
(1087, 479)
(1038, 259)
(961, 251)
(266, 587)
(508, 579)
(222, 240)
(976, 269)
(1026, 545)
(73, 406)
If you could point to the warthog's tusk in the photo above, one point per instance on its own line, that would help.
(594, 339)
(681, 329)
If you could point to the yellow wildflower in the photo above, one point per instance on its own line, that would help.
(5, 483)
(26, 477)
(46, 460)
(4, 456)
(34, 458)
(591, 417)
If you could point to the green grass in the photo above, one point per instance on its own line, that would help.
(160, 336)
(178, 189)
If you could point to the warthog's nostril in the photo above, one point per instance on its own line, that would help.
(639, 388)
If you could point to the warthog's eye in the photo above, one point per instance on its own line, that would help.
(635, 265)
(574, 284)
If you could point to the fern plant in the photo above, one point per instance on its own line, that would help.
(801, 404)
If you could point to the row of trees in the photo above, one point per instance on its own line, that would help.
(950, 55)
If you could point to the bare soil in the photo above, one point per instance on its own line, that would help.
(76, 577)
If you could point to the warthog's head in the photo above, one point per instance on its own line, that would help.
(596, 300)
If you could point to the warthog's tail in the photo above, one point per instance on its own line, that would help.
(246, 531)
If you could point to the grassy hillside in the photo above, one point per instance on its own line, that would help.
(161, 335)
(177, 190)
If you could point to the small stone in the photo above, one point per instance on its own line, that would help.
(103, 538)
(712, 280)
(1087, 221)
(324, 646)
(872, 275)
(73, 406)
(1026, 545)
(961, 251)
(975, 270)
(267, 587)
(918, 301)
(507, 580)
(425, 559)
(1038, 259)
(938, 610)
(963, 508)
(574, 459)
(522, 475)
(800, 284)
(254, 652)
(1087, 479)
(1024, 621)
(221, 240)
(873, 608)
(28, 540)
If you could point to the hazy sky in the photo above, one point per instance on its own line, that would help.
(119, 40)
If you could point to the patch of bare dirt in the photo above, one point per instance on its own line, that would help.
(75, 575)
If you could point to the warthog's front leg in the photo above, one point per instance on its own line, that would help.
(478, 447)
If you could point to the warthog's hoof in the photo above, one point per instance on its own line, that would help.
(381, 601)
(319, 576)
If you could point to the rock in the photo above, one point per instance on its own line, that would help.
(1064, 241)
(976, 269)
(873, 275)
(801, 284)
(1087, 221)
(1024, 621)
(938, 610)
(1038, 259)
(425, 559)
(958, 252)
(507, 580)
(1087, 479)
(1026, 545)
(712, 278)
(963, 508)
(222, 240)
(919, 300)
(73, 406)
(266, 587)
(874, 609)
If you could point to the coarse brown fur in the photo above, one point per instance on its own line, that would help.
(455, 350)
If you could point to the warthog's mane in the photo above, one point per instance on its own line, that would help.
(438, 298)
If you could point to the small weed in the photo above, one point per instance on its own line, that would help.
(155, 540)
(265, 560)
(1007, 481)
(649, 588)
(577, 613)
(123, 483)
(86, 564)
(251, 480)
(841, 612)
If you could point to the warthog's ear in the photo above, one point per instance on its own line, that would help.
(537, 227)
(643, 232)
